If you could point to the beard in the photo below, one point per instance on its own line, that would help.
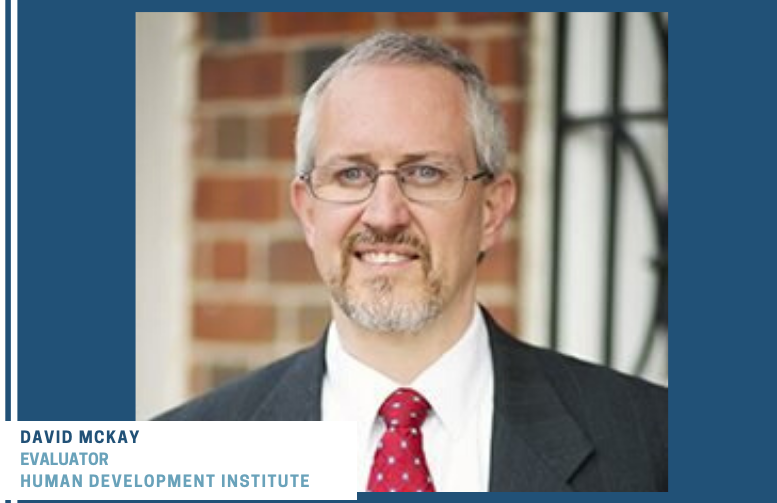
(378, 304)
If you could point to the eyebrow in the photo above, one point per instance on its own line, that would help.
(406, 159)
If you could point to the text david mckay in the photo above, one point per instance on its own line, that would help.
(85, 436)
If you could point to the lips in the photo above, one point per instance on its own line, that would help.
(385, 258)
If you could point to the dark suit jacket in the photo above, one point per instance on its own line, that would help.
(559, 424)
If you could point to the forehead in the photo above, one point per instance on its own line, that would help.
(394, 110)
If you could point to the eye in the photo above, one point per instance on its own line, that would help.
(353, 175)
(425, 174)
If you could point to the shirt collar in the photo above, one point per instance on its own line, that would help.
(453, 384)
(361, 388)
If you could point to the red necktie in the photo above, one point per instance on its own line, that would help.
(400, 464)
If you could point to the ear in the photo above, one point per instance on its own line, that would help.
(302, 204)
(498, 202)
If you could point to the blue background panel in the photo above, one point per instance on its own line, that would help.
(76, 219)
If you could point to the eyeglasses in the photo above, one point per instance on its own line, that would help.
(418, 183)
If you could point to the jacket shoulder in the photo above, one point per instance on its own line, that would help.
(239, 399)
(626, 418)
(577, 381)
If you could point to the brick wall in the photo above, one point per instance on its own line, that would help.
(255, 293)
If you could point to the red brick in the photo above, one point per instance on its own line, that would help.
(515, 117)
(312, 321)
(507, 61)
(230, 260)
(241, 76)
(281, 131)
(292, 261)
(492, 17)
(234, 322)
(416, 19)
(500, 264)
(305, 23)
(250, 199)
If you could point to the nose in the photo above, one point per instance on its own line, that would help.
(387, 209)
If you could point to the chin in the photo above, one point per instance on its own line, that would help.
(392, 317)
(382, 308)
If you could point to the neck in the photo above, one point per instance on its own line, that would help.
(404, 356)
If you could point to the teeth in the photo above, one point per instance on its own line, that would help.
(384, 258)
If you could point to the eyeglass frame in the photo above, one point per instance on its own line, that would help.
(481, 174)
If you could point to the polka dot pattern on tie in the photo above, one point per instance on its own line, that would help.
(400, 464)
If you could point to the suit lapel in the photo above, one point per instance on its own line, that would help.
(536, 444)
(297, 395)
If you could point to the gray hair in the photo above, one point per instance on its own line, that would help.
(484, 116)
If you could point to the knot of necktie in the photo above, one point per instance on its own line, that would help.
(404, 408)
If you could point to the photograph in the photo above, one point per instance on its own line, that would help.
(448, 227)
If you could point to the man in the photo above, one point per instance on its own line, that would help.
(401, 190)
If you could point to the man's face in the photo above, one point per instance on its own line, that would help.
(393, 265)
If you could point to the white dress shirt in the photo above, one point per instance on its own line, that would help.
(459, 387)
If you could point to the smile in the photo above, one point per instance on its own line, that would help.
(383, 258)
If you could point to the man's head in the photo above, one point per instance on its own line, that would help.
(400, 152)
